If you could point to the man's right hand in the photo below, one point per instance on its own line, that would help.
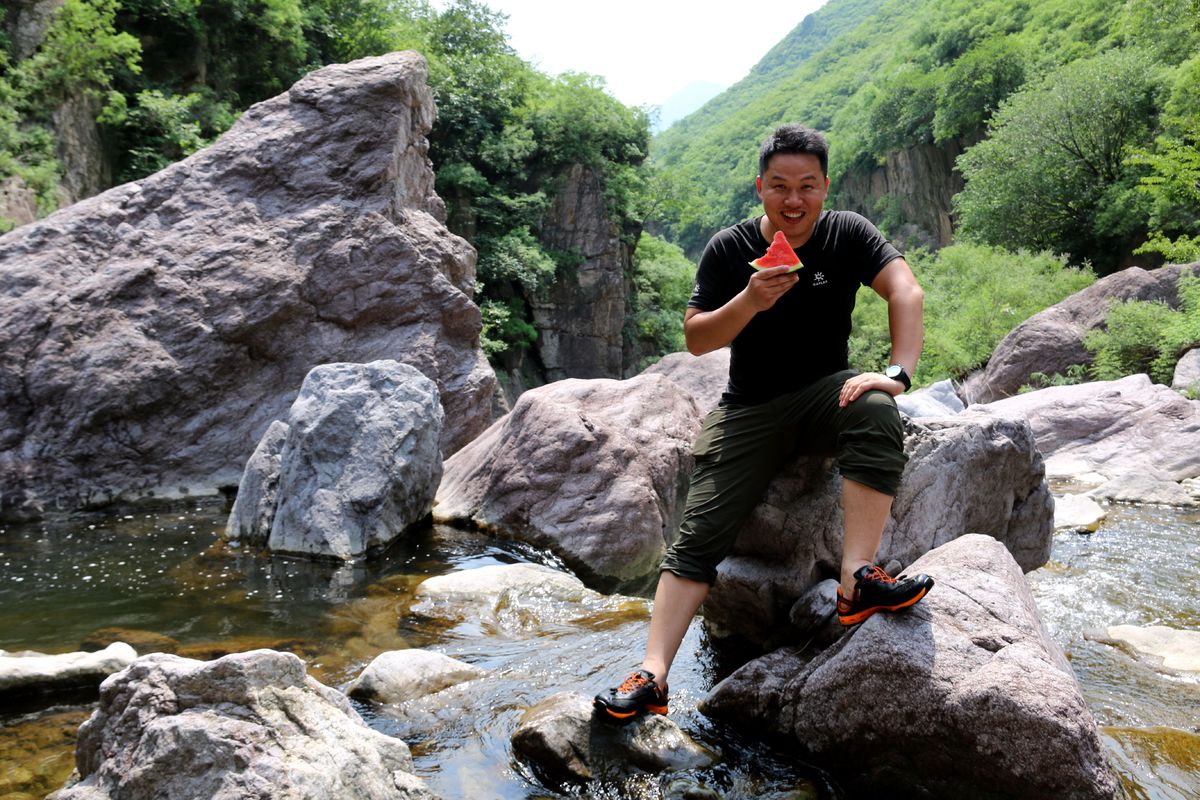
(768, 285)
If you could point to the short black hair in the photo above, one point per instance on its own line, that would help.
(794, 138)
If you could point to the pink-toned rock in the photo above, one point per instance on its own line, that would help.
(593, 469)
(964, 695)
(703, 377)
(150, 334)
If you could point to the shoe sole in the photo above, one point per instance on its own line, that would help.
(622, 715)
(854, 619)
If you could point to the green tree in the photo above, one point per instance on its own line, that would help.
(1052, 173)
(662, 279)
(975, 85)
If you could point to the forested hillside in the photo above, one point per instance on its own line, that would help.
(1079, 118)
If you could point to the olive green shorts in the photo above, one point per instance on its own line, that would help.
(740, 448)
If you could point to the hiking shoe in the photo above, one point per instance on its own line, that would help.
(875, 590)
(637, 694)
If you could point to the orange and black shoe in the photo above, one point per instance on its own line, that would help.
(638, 693)
(875, 590)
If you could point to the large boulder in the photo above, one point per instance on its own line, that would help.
(150, 334)
(39, 673)
(980, 475)
(1052, 340)
(594, 470)
(400, 675)
(246, 726)
(703, 377)
(1108, 429)
(358, 464)
(1187, 371)
(964, 695)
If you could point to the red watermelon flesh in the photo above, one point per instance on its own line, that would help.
(779, 254)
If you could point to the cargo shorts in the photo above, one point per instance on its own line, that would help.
(740, 448)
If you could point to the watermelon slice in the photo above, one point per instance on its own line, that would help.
(779, 254)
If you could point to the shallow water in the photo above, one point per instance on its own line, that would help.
(162, 572)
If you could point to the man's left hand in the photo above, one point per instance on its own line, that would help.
(854, 388)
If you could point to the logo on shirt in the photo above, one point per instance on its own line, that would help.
(819, 279)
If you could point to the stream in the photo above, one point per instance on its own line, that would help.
(164, 579)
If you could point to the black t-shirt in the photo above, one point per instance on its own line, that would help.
(805, 335)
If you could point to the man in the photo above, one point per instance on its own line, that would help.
(790, 390)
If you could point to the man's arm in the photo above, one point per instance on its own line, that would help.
(896, 284)
(706, 331)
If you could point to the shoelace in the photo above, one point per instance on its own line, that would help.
(877, 574)
(635, 681)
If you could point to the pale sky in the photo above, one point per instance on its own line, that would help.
(648, 50)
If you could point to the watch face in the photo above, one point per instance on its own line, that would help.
(893, 371)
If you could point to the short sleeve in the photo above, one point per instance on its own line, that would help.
(872, 251)
(712, 287)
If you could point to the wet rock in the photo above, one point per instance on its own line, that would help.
(1052, 340)
(358, 465)
(566, 743)
(1134, 488)
(400, 675)
(594, 470)
(250, 725)
(1077, 512)
(37, 673)
(936, 400)
(142, 641)
(1187, 371)
(968, 681)
(150, 334)
(1174, 649)
(980, 475)
(703, 377)
(1108, 429)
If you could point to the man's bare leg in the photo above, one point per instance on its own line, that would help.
(865, 512)
(675, 604)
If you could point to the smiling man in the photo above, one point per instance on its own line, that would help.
(790, 391)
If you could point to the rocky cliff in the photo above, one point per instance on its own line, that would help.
(150, 334)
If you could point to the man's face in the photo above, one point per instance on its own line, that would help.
(793, 191)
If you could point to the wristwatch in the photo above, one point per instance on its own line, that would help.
(897, 373)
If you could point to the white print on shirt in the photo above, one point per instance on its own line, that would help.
(819, 279)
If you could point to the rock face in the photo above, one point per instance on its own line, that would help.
(399, 675)
(581, 317)
(28, 22)
(149, 335)
(964, 695)
(1110, 428)
(249, 725)
(18, 203)
(1052, 340)
(38, 673)
(566, 745)
(963, 476)
(358, 463)
(594, 470)
(703, 377)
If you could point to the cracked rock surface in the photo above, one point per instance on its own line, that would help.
(963, 695)
(150, 334)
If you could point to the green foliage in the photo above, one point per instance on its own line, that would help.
(975, 85)
(1147, 337)
(1174, 186)
(1075, 374)
(974, 295)
(1052, 174)
(662, 280)
(162, 129)
(904, 112)
(504, 327)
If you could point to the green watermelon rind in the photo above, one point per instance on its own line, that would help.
(799, 264)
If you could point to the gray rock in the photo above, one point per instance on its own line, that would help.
(39, 673)
(248, 725)
(29, 21)
(594, 470)
(1136, 488)
(566, 744)
(1187, 371)
(18, 203)
(1052, 340)
(150, 334)
(400, 675)
(359, 463)
(253, 509)
(936, 400)
(964, 475)
(1128, 426)
(1077, 512)
(703, 377)
(969, 681)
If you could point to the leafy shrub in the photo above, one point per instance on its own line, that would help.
(1075, 374)
(662, 279)
(1148, 337)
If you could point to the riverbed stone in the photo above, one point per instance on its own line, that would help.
(1137, 488)
(566, 742)
(936, 400)
(1077, 512)
(703, 377)
(150, 334)
(38, 673)
(400, 675)
(963, 695)
(359, 462)
(1175, 649)
(1110, 428)
(1187, 371)
(594, 470)
(978, 475)
(249, 725)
